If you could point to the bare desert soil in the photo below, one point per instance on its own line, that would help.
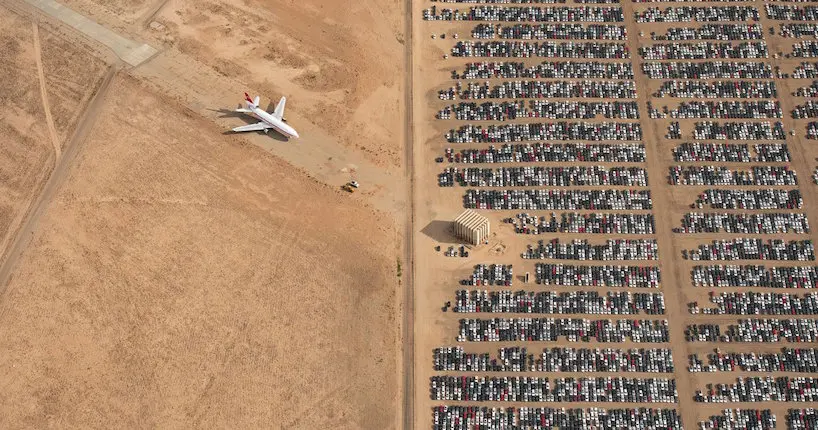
(172, 274)
(127, 11)
(340, 64)
(181, 278)
(71, 75)
(26, 154)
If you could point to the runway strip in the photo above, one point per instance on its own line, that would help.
(131, 52)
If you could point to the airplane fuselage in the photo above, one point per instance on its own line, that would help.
(277, 124)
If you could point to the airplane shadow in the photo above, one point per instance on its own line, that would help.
(248, 119)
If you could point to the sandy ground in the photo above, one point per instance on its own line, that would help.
(47, 83)
(190, 282)
(176, 275)
(339, 64)
(26, 156)
(71, 76)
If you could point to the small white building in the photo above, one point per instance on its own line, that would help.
(471, 227)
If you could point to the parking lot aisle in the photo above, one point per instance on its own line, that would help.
(673, 274)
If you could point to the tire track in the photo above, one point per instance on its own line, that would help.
(61, 168)
(52, 131)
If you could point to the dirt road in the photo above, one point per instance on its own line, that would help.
(408, 363)
(63, 163)
(660, 192)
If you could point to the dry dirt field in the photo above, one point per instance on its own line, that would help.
(185, 279)
(32, 61)
(71, 78)
(180, 276)
(338, 63)
(26, 155)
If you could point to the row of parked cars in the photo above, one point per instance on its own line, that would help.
(761, 389)
(535, 389)
(558, 130)
(761, 303)
(598, 275)
(753, 223)
(544, 49)
(759, 199)
(716, 31)
(799, 360)
(558, 199)
(722, 89)
(574, 222)
(565, 302)
(531, 89)
(704, 51)
(554, 31)
(583, 250)
(740, 419)
(724, 110)
(490, 274)
(553, 329)
(731, 152)
(512, 110)
(550, 69)
(549, 152)
(541, 176)
(555, 359)
(753, 249)
(526, 14)
(751, 275)
(697, 14)
(781, 12)
(547, 418)
(777, 176)
(706, 70)
(799, 330)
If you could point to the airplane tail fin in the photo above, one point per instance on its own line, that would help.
(256, 100)
(250, 103)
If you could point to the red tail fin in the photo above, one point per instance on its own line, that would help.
(247, 97)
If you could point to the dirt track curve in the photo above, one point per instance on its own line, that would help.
(62, 165)
(52, 131)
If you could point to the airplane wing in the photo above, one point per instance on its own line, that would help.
(279, 112)
(253, 127)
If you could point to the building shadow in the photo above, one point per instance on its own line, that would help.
(441, 232)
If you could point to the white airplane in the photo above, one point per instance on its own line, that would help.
(273, 120)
